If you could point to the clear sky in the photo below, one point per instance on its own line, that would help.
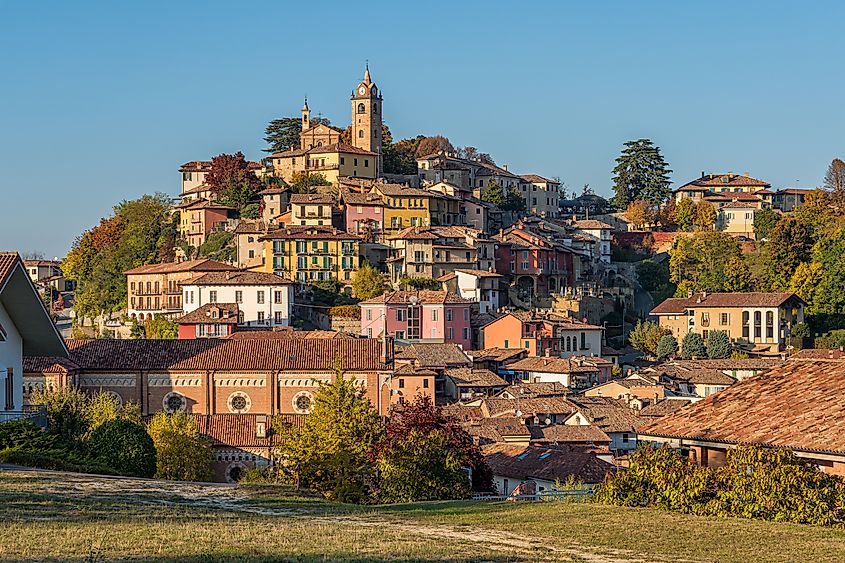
(102, 101)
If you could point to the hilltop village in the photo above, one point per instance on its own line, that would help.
(557, 328)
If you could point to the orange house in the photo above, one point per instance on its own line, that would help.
(543, 334)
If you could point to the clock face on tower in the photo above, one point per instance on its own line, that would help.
(362, 90)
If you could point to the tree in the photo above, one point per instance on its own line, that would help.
(718, 345)
(790, 244)
(514, 201)
(306, 182)
(367, 282)
(816, 212)
(398, 158)
(705, 215)
(640, 173)
(765, 220)
(699, 262)
(639, 213)
(102, 407)
(67, 412)
(646, 335)
(652, 276)
(232, 181)
(692, 346)
(421, 283)
(685, 214)
(332, 452)
(161, 328)
(182, 454)
(834, 181)
(282, 134)
(737, 275)
(806, 281)
(433, 145)
(124, 446)
(218, 245)
(494, 193)
(667, 346)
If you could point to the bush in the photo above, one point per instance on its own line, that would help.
(421, 283)
(55, 460)
(25, 435)
(692, 346)
(182, 454)
(345, 312)
(666, 346)
(125, 447)
(801, 330)
(718, 345)
(67, 412)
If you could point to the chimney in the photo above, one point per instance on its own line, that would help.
(702, 173)
(261, 426)
(505, 166)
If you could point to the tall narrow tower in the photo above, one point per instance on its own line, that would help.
(306, 116)
(366, 118)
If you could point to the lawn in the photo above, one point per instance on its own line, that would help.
(53, 516)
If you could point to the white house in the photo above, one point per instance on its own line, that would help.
(263, 299)
(481, 286)
(25, 328)
(601, 234)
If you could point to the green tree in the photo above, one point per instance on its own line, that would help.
(398, 158)
(640, 173)
(737, 275)
(282, 134)
(806, 281)
(367, 282)
(494, 193)
(705, 215)
(765, 221)
(514, 201)
(67, 412)
(125, 447)
(790, 244)
(684, 215)
(667, 346)
(332, 452)
(646, 335)
(653, 276)
(816, 212)
(699, 262)
(307, 182)
(102, 407)
(692, 346)
(182, 454)
(233, 181)
(718, 344)
(161, 328)
(834, 182)
(218, 245)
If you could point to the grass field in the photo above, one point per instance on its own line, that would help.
(54, 516)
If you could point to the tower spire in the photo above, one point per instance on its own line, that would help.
(367, 71)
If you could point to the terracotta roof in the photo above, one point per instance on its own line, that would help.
(447, 277)
(238, 278)
(537, 179)
(480, 273)
(590, 224)
(497, 354)
(664, 407)
(274, 190)
(425, 297)
(239, 430)
(321, 199)
(288, 333)
(203, 204)
(410, 369)
(608, 414)
(196, 166)
(675, 305)
(563, 433)
(212, 313)
(796, 405)
(609, 351)
(310, 232)
(334, 147)
(250, 227)
(463, 413)
(433, 355)
(352, 198)
(202, 265)
(48, 364)
(8, 261)
(538, 389)
(529, 406)
(726, 180)
(289, 354)
(794, 191)
(739, 205)
(559, 365)
(818, 354)
(706, 377)
(560, 321)
(414, 233)
(550, 464)
(723, 364)
(470, 377)
(401, 190)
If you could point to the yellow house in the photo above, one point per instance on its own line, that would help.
(311, 253)
(737, 218)
(332, 161)
(404, 207)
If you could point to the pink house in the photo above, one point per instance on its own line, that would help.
(364, 216)
(418, 316)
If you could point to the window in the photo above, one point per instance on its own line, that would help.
(278, 317)
(625, 438)
(239, 402)
(259, 297)
(745, 327)
(400, 314)
(770, 324)
(527, 344)
(239, 296)
(466, 333)
(401, 383)
(212, 297)
(425, 383)
(277, 297)
(724, 318)
(302, 402)
(434, 314)
(758, 325)
(132, 286)
(261, 316)
(466, 314)
(583, 340)
(369, 314)
(252, 254)
(342, 160)
(361, 108)
(174, 402)
(450, 333)
(10, 389)
(399, 335)
(449, 314)
(506, 343)
(360, 136)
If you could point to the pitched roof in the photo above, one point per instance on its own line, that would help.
(250, 227)
(550, 464)
(530, 406)
(497, 354)
(537, 179)
(664, 407)
(559, 365)
(211, 313)
(424, 297)
(676, 305)
(316, 199)
(479, 273)
(796, 405)
(287, 333)
(726, 180)
(334, 147)
(238, 278)
(414, 233)
(296, 355)
(352, 198)
(239, 430)
(401, 190)
(538, 389)
(470, 377)
(432, 355)
(563, 433)
(608, 414)
(706, 376)
(8, 261)
(311, 232)
(48, 364)
(499, 429)
(590, 224)
(818, 354)
(202, 265)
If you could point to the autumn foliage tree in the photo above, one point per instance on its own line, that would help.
(639, 213)
(232, 180)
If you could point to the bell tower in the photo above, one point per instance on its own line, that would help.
(306, 116)
(366, 118)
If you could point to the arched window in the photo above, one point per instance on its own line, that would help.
(360, 133)
(375, 108)
(758, 328)
(361, 108)
(770, 324)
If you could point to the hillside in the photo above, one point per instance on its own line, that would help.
(55, 516)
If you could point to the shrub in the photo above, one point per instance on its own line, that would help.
(718, 344)
(345, 312)
(125, 447)
(421, 283)
(646, 336)
(801, 330)
(692, 346)
(56, 460)
(666, 346)
(67, 412)
(25, 435)
(182, 454)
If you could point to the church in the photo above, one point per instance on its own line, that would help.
(324, 150)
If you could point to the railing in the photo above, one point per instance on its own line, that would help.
(37, 414)
(541, 496)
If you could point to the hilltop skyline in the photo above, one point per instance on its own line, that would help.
(103, 112)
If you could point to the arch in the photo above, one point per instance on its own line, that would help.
(174, 402)
(360, 133)
(235, 471)
(362, 108)
(239, 402)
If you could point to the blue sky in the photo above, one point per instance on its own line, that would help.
(102, 101)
